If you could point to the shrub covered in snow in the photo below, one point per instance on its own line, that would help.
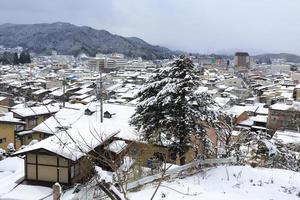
(2, 153)
(260, 149)
(10, 149)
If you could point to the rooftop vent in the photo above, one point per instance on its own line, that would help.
(108, 115)
(62, 128)
(88, 111)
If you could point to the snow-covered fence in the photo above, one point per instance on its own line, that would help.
(177, 170)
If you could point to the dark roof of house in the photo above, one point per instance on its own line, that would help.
(241, 54)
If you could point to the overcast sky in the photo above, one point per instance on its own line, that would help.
(203, 26)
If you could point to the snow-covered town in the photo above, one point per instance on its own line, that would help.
(86, 126)
(158, 100)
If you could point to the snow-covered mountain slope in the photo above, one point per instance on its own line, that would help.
(67, 38)
(229, 183)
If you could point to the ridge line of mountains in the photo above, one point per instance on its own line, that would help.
(66, 38)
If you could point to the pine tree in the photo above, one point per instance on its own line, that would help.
(15, 59)
(147, 117)
(24, 57)
(169, 109)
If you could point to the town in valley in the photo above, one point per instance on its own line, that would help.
(87, 114)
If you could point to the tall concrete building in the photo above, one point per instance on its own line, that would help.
(96, 63)
(242, 60)
(113, 62)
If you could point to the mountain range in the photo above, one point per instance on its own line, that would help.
(286, 56)
(66, 38)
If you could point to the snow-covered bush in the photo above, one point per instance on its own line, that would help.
(10, 149)
(2, 154)
(260, 149)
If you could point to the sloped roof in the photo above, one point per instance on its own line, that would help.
(76, 134)
(36, 110)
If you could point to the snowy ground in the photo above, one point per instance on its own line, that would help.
(242, 182)
(11, 174)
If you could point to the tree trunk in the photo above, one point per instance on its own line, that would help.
(182, 158)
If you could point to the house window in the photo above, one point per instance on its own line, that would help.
(285, 123)
(19, 128)
(32, 122)
(72, 172)
(77, 169)
(2, 140)
(29, 137)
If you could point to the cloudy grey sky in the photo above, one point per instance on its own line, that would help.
(203, 26)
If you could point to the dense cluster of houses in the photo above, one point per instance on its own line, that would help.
(51, 115)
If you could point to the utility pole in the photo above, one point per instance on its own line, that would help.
(101, 97)
(64, 91)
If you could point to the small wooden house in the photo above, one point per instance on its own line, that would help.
(76, 135)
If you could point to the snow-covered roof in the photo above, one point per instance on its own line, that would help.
(114, 87)
(116, 146)
(80, 97)
(287, 95)
(283, 106)
(77, 133)
(262, 110)
(84, 91)
(41, 91)
(47, 101)
(57, 93)
(130, 94)
(8, 118)
(201, 89)
(221, 101)
(247, 122)
(2, 98)
(259, 127)
(260, 118)
(238, 110)
(122, 90)
(229, 89)
(287, 136)
(53, 89)
(25, 132)
(88, 99)
(222, 86)
(36, 110)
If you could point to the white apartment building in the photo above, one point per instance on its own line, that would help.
(114, 62)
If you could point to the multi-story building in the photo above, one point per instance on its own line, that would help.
(8, 126)
(96, 63)
(242, 60)
(114, 62)
(295, 76)
(296, 93)
(284, 116)
(31, 117)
